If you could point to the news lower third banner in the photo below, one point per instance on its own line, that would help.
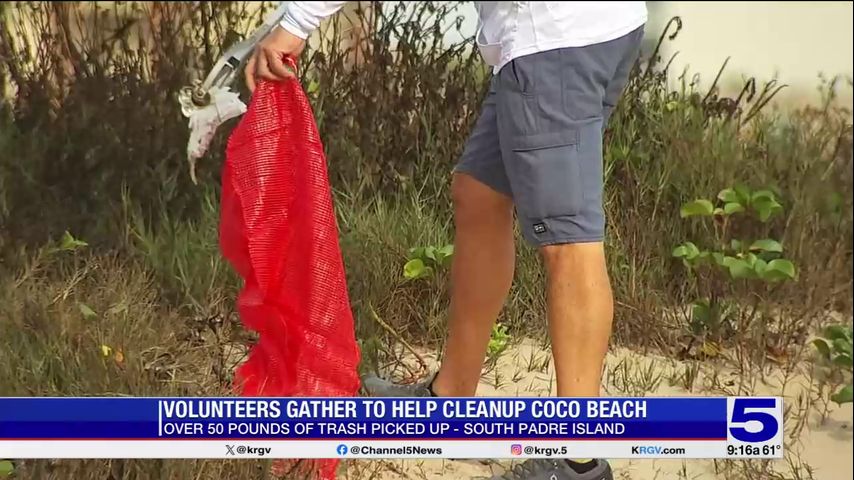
(743, 427)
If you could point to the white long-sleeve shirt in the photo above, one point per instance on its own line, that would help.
(507, 30)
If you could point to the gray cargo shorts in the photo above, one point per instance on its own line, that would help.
(539, 137)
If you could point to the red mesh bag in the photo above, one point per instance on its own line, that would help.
(278, 230)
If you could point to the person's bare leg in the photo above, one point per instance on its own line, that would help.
(580, 313)
(481, 275)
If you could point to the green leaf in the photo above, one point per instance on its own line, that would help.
(822, 347)
(701, 312)
(768, 256)
(693, 251)
(414, 268)
(69, 243)
(766, 245)
(843, 361)
(740, 269)
(743, 193)
(837, 331)
(719, 212)
(701, 207)
(750, 258)
(444, 254)
(732, 208)
(840, 346)
(761, 195)
(719, 258)
(6, 468)
(687, 250)
(728, 195)
(416, 252)
(86, 311)
(767, 208)
(779, 269)
(759, 266)
(735, 245)
(430, 252)
(498, 340)
(843, 396)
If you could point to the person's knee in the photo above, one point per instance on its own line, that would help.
(575, 257)
(477, 203)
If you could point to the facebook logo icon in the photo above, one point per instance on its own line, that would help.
(342, 449)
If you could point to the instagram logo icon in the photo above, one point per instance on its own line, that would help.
(515, 449)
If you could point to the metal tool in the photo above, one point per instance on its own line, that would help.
(211, 102)
(231, 62)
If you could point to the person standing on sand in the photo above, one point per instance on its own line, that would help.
(559, 69)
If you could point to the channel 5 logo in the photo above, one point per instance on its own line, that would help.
(754, 420)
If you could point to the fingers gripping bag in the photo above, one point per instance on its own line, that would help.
(278, 230)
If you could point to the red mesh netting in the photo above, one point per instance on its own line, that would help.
(279, 232)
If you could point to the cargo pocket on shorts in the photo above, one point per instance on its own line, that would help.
(546, 174)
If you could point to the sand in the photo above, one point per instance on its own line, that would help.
(823, 446)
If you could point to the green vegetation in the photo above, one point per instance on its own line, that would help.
(834, 347)
(734, 258)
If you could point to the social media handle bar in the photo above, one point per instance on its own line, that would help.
(528, 449)
(391, 450)
(755, 427)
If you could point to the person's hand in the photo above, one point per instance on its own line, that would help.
(268, 60)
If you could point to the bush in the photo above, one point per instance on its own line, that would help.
(93, 142)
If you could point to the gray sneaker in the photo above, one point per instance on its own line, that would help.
(545, 469)
(533, 469)
(375, 386)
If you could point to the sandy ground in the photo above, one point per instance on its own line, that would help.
(825, 446)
